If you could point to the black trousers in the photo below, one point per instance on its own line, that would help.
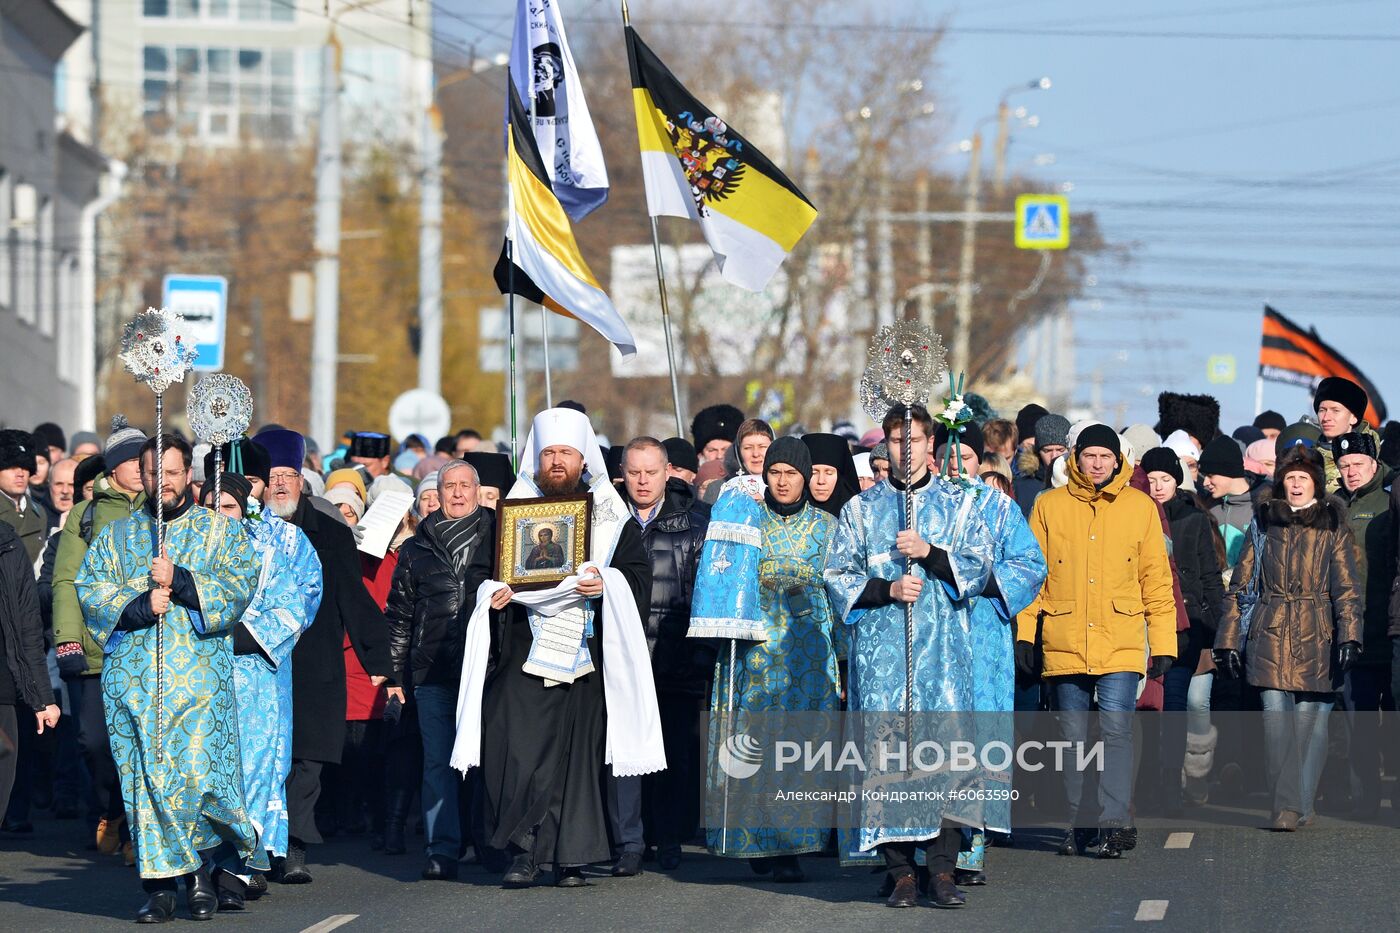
(96, 746)
(671, 798)
(303, 790)
(940, 853)
(9, 752)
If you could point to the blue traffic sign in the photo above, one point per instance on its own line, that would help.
(203, 302)
(1042, 221)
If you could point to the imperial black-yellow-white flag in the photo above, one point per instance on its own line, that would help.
(548, 267)
(695, 165)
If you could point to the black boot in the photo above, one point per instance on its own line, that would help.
(200, 896)
(395, 819)
(786, 870)
(521, 873)
(294, 865)
(232, 892)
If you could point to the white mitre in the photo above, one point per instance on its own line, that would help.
(566, 427)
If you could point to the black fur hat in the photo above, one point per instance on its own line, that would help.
(716, 422)
(1197, 415)
(17, 449)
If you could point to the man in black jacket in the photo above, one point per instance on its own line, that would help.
(24, 676)
(426, 636)
(318, 661)
(673, 527)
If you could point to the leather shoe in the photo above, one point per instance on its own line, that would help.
(233, 893)
(521, 873)
(570, 878)
(159, 908)
(761, 866)
(969, 879)
(200, 896)
(904, 893)
(668, 858)
(628, 865)
(1286, 822)
(787, 871)
(257, 886)
(440, 868)
(945, 893)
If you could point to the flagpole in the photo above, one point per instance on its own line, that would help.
(666, 324)
(1258, 395)
(544, 313)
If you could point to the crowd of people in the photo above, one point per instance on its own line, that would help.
(219, 676)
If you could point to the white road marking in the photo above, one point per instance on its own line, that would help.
(339, 920)
(1179, 841)
(1151, 910)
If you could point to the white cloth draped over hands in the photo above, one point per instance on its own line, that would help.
(634, 743)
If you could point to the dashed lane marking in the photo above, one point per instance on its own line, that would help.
(1179, 841)
(1151, 910)
(335, 921)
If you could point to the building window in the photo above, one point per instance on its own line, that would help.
(69, 313)
(221, 94)
(248, 11)
(44, 268)
(7, 244)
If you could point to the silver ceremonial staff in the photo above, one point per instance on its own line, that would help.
(906, 361)
(157, 350)
(220, 409)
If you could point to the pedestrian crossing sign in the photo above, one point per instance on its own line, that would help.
(1042, 221)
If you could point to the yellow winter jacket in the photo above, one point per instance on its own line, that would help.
(1107, 601)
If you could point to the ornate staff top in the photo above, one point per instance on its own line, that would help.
(157, 349)
(907, 360)
(221, 408)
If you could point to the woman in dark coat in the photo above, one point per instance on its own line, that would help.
(1309, 599)
(1195, 553)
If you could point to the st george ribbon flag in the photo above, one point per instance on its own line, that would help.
(1289, 354)
(540, 260)
(695, 165)
(542, 70)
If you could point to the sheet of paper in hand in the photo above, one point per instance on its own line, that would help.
(382, 520)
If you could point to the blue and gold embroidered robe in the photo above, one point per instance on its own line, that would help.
(792, 669)
(284, 606)
(173, 727)
(863, 548)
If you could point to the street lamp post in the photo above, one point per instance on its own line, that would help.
(1003, 118)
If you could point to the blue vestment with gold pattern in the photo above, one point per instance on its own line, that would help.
(792, 669)
(175, 743)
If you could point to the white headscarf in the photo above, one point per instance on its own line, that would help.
(568, 428)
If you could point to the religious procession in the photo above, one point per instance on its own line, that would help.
(892, 628)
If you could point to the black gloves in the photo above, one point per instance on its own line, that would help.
(1159, 665)
(1229, 663)
(1025, 660)
(1348, 653)
(72, 662)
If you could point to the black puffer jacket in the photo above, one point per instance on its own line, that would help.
(673, 541)
(427, 625)
(1198, 567)
(20, 624)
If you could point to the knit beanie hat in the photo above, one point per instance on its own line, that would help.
(1269, 420)
(1051, 431)
(681, 454)
(1222, 457)
(123, 444)
(1142, 438)
(793, 452)
(1162, 460)
(1096, 435)
(1026, 420)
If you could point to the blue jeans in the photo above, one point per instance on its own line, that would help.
(1295, 743)
(1198, 703)
(1072, 698)
(437, 721)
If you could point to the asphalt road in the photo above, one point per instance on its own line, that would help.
(1329, 877)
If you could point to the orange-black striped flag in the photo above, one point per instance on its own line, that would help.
(1300, 357)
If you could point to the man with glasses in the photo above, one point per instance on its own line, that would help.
(318, 661)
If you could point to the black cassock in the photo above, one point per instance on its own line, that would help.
(542, 747)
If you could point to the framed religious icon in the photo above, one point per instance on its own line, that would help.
(541, 541)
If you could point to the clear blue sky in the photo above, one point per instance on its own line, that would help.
(1247, 161)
